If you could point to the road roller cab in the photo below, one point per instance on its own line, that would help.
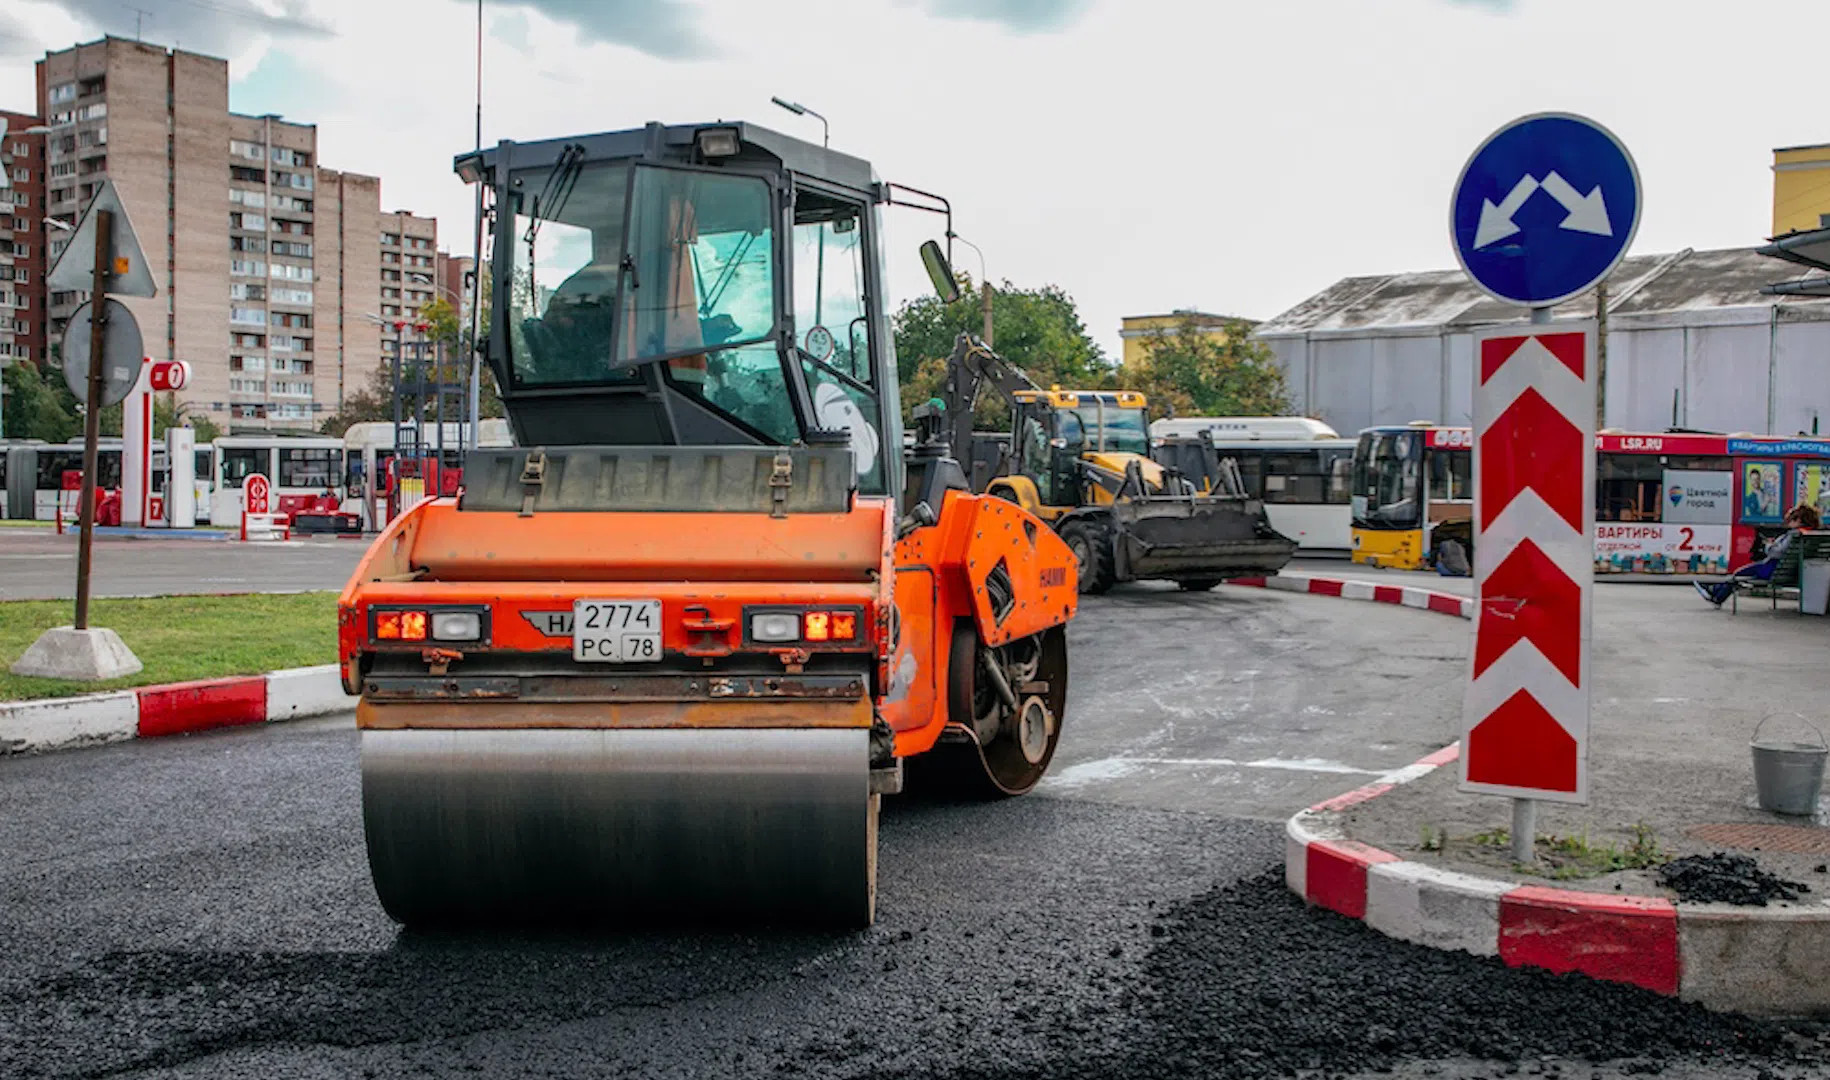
(665, 654)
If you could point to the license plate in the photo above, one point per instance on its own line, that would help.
(616, 631)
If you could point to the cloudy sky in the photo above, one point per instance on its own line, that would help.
(1145, 155)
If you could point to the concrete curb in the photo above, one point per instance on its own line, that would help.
(1755, 960)
(172, 709)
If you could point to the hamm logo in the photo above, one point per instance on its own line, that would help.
(1054, 576)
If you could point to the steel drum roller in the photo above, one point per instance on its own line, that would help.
(482, 825)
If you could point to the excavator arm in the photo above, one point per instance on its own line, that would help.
(971, 367)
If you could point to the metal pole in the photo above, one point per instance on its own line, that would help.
(476, 265)
(1525, 811)
(92, 419)
(985, 293)
(1524, 831)
(1601, 355)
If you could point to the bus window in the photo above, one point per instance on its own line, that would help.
(1627, 487)
(202, 465)
(309, 467)
(52, 464)
(107, 469)
(240, 462)
(1295, 477)
(1338, 465)
(1452, 475)
(1387, 469)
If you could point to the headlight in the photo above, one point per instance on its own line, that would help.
(456, 626)
(775, 626)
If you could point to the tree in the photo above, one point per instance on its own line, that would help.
(38, 405)
(1200, 371)
(1039, 330)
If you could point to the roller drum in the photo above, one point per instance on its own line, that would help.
(541, 825)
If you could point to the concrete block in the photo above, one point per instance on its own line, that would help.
(1439, 908)
(301, 692)
(67, 722)
(1287, 583)
(1630, 939)
(180, 708)
(1358, 590)
(1417, 598)
(64, 652)
(1768, 960)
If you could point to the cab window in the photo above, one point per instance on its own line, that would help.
(832, 332)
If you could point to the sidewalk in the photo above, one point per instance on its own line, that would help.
(1679, 689)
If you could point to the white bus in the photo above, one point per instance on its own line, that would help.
(1241, 428)
(1300, 467)
(299, 468)
(369, 446)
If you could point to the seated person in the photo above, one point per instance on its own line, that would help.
(1803, 516)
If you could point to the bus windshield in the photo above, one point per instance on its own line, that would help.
(1125, 430)
(1386, 469)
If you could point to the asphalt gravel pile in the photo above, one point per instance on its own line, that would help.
(1722, 878)
(1247, 981)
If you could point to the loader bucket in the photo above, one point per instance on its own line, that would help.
(1197, 539)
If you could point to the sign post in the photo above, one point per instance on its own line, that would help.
(118, 266)
(1544, 210)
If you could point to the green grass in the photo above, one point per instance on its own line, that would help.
(24, 523)
(1568, 858)
(179, 637)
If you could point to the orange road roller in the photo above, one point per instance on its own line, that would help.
(662, 658)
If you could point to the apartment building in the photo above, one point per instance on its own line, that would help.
(273, 271)
(22, 252)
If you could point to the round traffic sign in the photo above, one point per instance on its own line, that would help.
(1546, 207)
(256, 494)
(120, 362)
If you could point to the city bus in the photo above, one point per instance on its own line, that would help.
(300, 468)
(1668, 503)
(1298, 466)
(31, 473)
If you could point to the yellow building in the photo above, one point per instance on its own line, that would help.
(1801, 189)
(1134, 330)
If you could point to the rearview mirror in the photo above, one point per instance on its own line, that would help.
(940, 272)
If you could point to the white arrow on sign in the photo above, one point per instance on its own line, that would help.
(1496, 221)
(1587, 213)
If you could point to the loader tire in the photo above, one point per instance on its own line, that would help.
(1091, 542)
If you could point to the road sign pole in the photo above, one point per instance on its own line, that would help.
(92, 418)
(1525, 811)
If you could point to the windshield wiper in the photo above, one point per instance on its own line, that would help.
(559, 184)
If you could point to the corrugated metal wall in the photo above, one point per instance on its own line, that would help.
(1762, 377)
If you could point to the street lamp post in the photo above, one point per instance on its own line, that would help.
(984, 283)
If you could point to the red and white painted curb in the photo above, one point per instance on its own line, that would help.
(172, 709)
(1423, 599)
(1757, 960)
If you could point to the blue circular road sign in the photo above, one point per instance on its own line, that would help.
(1545, 208)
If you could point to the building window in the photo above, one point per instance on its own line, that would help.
(247, 175)
(243, 149)
(62, 94)
(247, 198)
(22, 176)
(21, 251)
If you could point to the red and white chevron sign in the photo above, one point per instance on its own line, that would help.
(1525, 723)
